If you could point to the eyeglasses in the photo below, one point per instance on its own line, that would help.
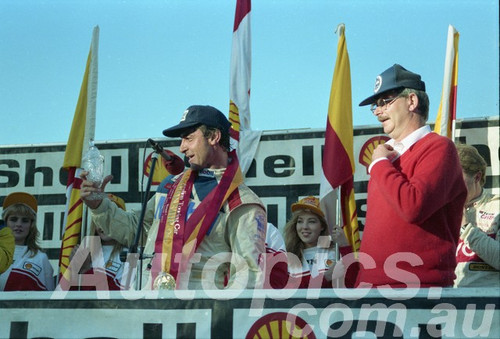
(383, 102)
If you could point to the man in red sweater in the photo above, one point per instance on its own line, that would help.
(416, 192)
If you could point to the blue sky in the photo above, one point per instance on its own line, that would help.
(158, 57)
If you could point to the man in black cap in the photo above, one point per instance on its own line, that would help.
(205, 228)
(415, 194)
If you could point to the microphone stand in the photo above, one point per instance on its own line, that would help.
(134, 254)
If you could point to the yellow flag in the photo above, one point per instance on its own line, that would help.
(82, 131)
(338, 159)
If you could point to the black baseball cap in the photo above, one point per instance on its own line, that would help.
(395, 77)
(197, 115)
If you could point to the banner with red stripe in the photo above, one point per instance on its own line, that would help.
(243, 139)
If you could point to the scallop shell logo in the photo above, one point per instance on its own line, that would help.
(329, 262)
(280, 325)
(234, 116)
(365, 154)
(160, 171)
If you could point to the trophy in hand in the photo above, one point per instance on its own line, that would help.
(93, 162)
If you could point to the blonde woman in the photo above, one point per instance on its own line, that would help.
(308, 238)
(31, 269)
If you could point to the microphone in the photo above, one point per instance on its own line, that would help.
(175, 164)
(158, 149)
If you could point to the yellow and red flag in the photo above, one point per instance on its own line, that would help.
(82, 131)
(338, 159)
(243, 139)
(447, 113)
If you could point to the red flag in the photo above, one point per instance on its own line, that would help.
(244, 140)
(338, 159)
(447, 113)
(82, 131)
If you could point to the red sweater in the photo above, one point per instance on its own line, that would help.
(413, 218)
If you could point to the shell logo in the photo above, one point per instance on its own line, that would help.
(365, 154)
(234, 116)
(280, 325)
(234, 119)
(160, 171)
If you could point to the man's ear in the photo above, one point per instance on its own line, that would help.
(215, 137)
(413, 99)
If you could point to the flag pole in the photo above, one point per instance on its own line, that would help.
(339, 31)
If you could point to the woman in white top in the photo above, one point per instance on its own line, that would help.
(478, 251)
(31, 269)
(307, 239)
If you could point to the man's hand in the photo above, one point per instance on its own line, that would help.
(89, 187)
(384, 151)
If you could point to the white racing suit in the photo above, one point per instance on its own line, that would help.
(239, 230)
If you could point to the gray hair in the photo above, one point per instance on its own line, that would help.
(423, 101)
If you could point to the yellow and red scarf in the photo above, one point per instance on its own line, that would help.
(176, 235)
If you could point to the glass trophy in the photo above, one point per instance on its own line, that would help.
(93, 162)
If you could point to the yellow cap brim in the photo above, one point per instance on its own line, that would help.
(21, 198)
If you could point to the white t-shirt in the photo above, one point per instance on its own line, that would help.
(315, 260)
(28, 273)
